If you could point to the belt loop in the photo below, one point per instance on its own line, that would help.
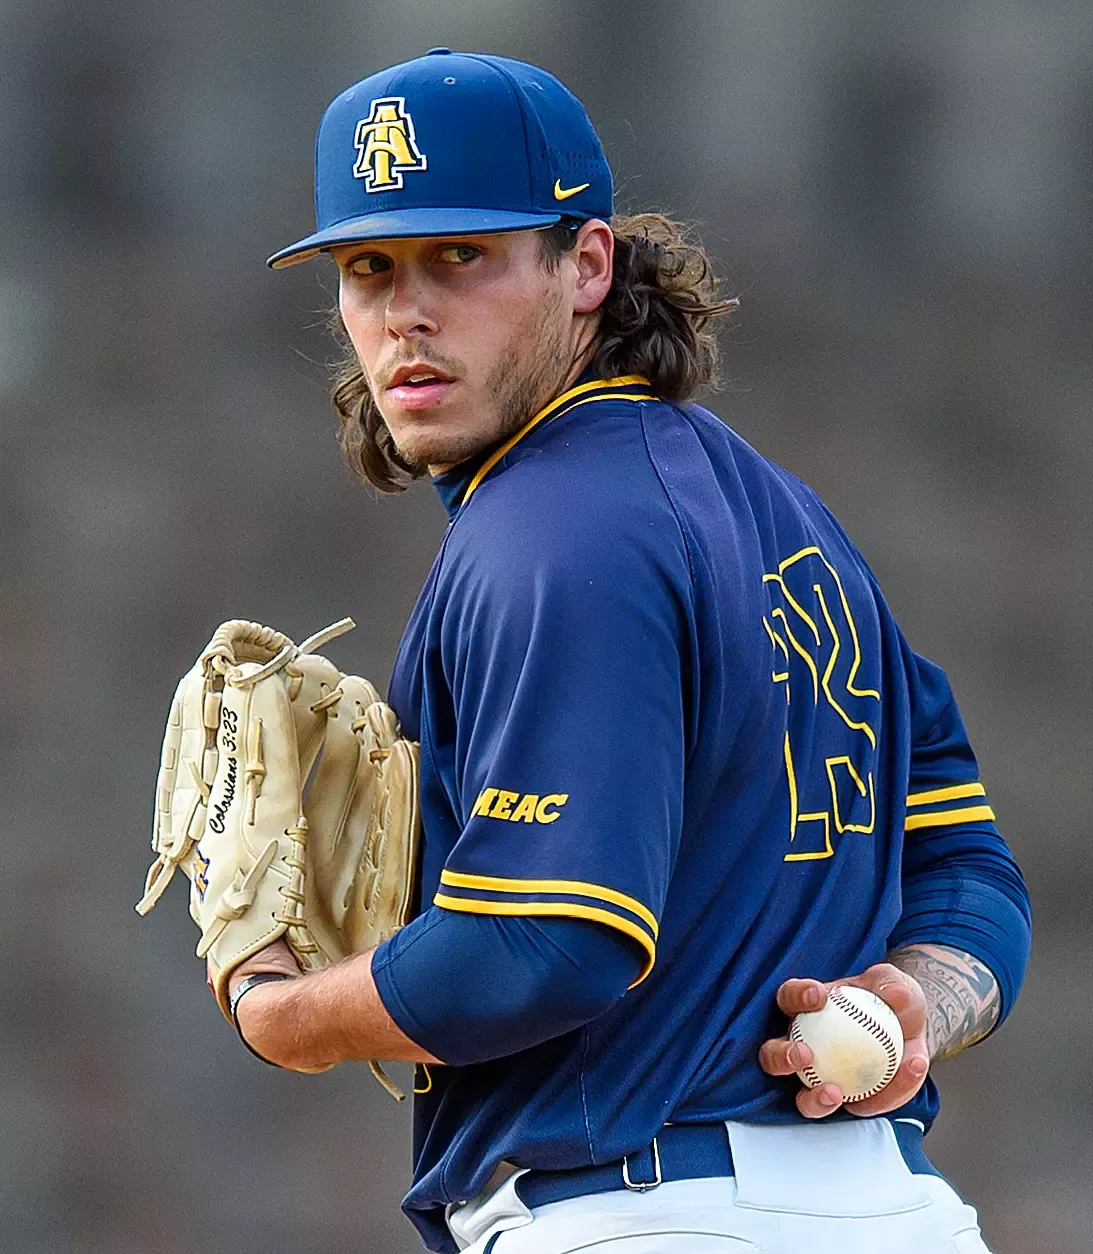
(643, 1186)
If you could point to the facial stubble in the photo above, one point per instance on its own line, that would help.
(531, 371)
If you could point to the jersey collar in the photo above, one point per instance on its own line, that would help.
(631, 387)
(451, 484)
(457, 485)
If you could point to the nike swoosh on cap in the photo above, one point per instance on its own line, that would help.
(564, 193)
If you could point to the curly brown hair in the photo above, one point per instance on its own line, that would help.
(653, 322)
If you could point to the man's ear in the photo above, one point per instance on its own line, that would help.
(593, 256)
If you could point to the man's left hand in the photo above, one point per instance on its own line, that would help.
(783, 1057)
(277, 959)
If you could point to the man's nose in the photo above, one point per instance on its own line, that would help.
(408, 307)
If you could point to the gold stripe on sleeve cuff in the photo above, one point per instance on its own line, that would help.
(557, 909)
(943, 818)
(953, 793)
(574, 888)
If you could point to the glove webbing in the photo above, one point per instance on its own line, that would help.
(220, 656)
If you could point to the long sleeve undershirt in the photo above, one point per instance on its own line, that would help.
(470, 987)
(961, 887)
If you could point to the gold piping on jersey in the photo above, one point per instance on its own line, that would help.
(556, 909)
(575, 888)
(601, 389)
(953, 793)
(942, 818)
(601, 913)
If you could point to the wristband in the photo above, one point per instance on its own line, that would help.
(252, 981)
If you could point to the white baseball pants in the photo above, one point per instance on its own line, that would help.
(824, 1188)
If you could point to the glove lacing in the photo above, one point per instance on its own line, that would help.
(221, 658)
(293, 917)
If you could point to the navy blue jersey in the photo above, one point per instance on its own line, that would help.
(657, 687)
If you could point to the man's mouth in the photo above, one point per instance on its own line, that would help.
(417, 386)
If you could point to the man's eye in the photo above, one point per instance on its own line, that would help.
(460, 254)
(373, 263)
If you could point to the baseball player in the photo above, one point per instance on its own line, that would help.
(680, 770)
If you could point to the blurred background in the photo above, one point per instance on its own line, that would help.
(901, 195)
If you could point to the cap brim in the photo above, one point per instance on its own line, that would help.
(410, 224)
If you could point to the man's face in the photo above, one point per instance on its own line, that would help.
(461, 339)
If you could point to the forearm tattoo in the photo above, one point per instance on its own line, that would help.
(962, 997)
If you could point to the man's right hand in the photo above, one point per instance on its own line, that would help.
(783, 1057)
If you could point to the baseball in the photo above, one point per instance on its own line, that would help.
(856, 1042)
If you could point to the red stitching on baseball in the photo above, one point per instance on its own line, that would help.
(863, 1019)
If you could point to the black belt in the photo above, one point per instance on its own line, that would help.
(679, 1151)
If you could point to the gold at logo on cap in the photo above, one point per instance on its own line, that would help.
(386, 146)
(564, 193)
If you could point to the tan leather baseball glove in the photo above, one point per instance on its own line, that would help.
(289, 799)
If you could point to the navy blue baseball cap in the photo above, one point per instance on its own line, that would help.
(453, 143)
